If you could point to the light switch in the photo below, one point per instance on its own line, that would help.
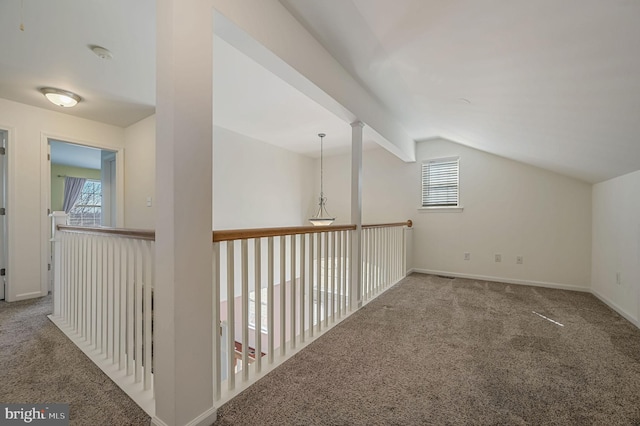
(148, 201)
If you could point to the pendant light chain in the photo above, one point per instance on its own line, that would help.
(321, 167)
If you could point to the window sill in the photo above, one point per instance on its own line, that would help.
(441, 209)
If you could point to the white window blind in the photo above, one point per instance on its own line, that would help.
(440, 182)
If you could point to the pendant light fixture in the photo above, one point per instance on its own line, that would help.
(322, 218)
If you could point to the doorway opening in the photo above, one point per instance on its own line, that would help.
(83, 183)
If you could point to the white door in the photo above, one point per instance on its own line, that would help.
(3, 217)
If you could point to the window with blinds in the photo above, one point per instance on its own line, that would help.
(440, 182)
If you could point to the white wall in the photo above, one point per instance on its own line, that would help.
(616, 244)
(28, 224)
(257, 184)
(509, 208)
(140, 174)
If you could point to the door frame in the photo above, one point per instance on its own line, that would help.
(9, 197)
(4, 281)
(45, 195)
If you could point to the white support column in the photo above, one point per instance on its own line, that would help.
(183, 324)
(57, 218)
(356, 214)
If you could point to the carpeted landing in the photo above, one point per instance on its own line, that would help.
(430, 351)
(437, 351)
(38, 364)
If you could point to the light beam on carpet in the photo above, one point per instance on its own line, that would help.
(548, 319)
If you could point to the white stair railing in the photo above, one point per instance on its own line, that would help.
(383, 257)
(103, 301)
(275, 291)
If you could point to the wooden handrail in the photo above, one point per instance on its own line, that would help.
(139, 234)
(229, 234)
(408, 223)
(243, 234)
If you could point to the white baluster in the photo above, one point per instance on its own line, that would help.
(257, 287)
(217, 348)
(231, 329)
(292, 296)
(283, 287)
(138, 311)
(148, 312)
(303, 283)
(270, 301)
(245, 309)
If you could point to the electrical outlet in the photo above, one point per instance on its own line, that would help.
(519, 260)
(467, 256)
(618, 279)
(498, 258)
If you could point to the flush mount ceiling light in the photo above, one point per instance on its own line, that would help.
(61, 98)
(322, 218)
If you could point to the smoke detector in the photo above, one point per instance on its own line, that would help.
(101, 52)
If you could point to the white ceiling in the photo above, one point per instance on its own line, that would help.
(552, 83)
(53, 50)
(68, 154)
(251, 100)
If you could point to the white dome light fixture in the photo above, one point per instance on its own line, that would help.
(61, 98)
(322, 218)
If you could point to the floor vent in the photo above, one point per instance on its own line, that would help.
(445, 277)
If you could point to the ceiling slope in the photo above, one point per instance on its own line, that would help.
(553, 84)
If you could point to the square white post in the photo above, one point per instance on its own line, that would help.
(57, 218)
(356, 214)
(183, 323)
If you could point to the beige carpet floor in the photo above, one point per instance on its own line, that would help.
(434, 351)
(38, 364)
(430, 351)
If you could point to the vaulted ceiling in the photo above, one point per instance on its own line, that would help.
(555, 84)
(552, 83)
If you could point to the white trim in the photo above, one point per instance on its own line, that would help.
(503, 280)
(157, 422)
(451, 208)
(458, 209)
(205, 419)
(616, 308)
(30, 295)
(45, 190)
(10, 203)
(441, 159)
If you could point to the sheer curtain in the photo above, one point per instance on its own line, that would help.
(72, 190)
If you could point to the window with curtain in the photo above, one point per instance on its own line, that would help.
(440, 182)
(88, 207)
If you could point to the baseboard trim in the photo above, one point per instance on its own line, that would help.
(25, 296)
(503, 280)
(205, 419)
(626, 315)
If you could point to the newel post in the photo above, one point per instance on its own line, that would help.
(57, 218)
